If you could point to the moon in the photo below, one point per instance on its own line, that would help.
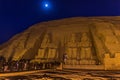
(46, 5)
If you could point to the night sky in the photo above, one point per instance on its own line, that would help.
(18, 15)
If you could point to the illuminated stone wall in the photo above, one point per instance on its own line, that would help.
(85, 41)
(112, 63)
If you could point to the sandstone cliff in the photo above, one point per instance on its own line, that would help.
(26, 44)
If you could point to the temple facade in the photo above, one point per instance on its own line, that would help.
(48, 50)
(79, 51)
(77, 47)
(95, 47)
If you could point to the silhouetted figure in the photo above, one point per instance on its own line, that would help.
(2, 62)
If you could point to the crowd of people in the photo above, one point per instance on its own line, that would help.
(25, 65)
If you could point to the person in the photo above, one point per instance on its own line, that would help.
(5, 66)
(17, 65)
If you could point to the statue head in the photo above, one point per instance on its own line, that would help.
(85, 37)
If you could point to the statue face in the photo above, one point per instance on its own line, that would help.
(85, 37)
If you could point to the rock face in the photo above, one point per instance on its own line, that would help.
(82, 40)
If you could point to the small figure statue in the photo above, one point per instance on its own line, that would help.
(65, 57)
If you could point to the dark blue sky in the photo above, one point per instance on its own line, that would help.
(18, 15)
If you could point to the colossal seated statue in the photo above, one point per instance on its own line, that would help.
(72, 50)
(48, 50)
(42, 50)
(86, 50)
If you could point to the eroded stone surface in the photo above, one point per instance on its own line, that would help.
(86, 41)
